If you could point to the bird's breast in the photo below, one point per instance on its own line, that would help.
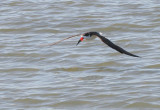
(91, 37)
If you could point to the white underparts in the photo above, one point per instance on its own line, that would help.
(89, 37)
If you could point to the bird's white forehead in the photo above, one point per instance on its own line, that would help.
(100, 33)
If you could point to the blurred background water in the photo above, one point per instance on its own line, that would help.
(88, 76)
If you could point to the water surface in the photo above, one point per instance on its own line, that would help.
(88, 76)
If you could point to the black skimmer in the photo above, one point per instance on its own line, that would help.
(93, 35)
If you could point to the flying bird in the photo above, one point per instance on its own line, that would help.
(93, 35)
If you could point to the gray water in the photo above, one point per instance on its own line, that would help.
(88, 76)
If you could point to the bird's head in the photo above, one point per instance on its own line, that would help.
(88, 35)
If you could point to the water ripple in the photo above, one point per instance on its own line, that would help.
(88, 76)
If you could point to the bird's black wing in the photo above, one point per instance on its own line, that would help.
(112, 45)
